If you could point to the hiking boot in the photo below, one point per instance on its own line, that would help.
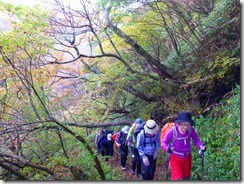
(123, 168)
(132, 172)
(140, 176)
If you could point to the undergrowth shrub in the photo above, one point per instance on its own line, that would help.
(220, 130)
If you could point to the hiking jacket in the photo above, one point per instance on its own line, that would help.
(121, 138)
(134, 131)
(129, 138)
(181, 146)
(102, 140)
(147, 145)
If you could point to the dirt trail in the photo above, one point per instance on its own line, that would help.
(115, 162)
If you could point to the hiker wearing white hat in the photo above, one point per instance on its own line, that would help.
(148, 144)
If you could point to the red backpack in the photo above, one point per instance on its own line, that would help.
(114, 137)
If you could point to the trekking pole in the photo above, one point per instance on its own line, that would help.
(167, 167)
(201, 153)
(202, 165)
(202, 156)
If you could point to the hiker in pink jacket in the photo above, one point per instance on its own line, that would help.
(177, 143)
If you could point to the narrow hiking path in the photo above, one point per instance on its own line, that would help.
(115, 163)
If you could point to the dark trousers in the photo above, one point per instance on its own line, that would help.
(135, 160)
(148, 171)
(123, 151)
(109, 151)
(102, 150)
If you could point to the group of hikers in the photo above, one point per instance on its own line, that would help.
(144, 140)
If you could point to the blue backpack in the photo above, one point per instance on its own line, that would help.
(104, 138)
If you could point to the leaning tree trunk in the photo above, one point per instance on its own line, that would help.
(97, 164)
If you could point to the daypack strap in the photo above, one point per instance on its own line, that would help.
(152, 139)
(175, 134)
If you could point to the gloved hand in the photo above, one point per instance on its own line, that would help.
(170, 150)
(145, 160)
(202, 149)
(155, 155)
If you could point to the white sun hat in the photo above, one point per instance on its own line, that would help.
(125, 129)
(151, 127)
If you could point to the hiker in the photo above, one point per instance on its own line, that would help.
(148, 144)
(109, 148)
(180, 148)
(102, 142)
(122, 146)
(132, 139)
(97, 145)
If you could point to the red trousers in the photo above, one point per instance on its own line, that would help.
(180, 167)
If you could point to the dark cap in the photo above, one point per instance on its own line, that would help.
(184, 117)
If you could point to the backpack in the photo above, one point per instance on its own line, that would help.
(104, 139)
(166, 129)
(108, 132)
(114, 137)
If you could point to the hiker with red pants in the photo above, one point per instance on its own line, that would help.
(122, 147)
(148, 144)
(177, 143)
